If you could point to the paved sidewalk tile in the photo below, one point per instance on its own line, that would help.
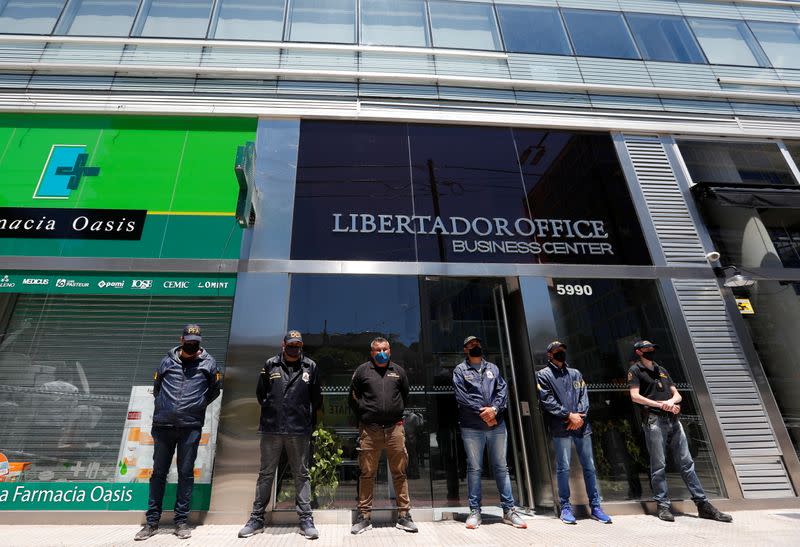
(773, 527)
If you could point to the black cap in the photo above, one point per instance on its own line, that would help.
(554, 345)
(469, 339)
(293, 336)
(642, 344)
(191, 332)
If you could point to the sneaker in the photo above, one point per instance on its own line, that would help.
(599, 514)
(307, 528)
(183, 531)
(512, 517)
(404, 522)
(362, 524)
(707, 511)
(474, 519)
(566, 515)
(253, 527)
(665, 514)
(148, 531)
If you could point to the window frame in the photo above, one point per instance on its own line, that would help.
(685, 20)
(214, 21)
(755, 42)
(501, 44)
(534, 7)
(761, 46)
(70, 11)
(53, 27)
(624, 24)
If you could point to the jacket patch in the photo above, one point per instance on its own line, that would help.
(662, 375)
(392, 375)
(155, 376)
(275, 376)
(306, 377)
(489, 374)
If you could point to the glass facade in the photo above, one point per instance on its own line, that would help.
(600, 34)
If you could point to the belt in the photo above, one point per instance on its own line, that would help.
(385, 425)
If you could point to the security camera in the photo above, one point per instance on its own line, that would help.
(713, 256)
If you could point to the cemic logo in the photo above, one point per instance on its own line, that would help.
(63, 171)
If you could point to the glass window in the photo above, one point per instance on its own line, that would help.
(176, 18)
(781, 43)
(98, 18)
(464, 25)
(29, 16)
(332, 21)
(600, 34)
(727, 42)
(664, 38)
(533, 30)
(249, 20)
(735, 163)
(394, 23)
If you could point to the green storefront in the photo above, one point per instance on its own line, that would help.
(114, 232)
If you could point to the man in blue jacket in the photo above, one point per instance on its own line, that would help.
(565, 402)
(186, 382)
(289, 394)
(482, 396)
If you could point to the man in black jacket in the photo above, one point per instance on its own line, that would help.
(186, 382)
(289, 394)
(378, 395)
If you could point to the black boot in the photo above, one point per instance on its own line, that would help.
(665, 514)
(707, 511)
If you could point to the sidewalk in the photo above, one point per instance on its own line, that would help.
(771, 527)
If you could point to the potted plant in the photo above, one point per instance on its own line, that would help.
(324, 472)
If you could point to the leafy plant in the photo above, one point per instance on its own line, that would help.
(325, 464)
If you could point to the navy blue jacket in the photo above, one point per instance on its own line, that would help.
(289, 395)
(561, 391)
(184, 390)
(476, 389)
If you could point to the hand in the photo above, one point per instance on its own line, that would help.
(574, 421)
(676, 409)
(666, 406)
(492, 422)
(488, 415)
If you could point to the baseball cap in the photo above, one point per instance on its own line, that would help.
(293, 336)
(641, 344)
(555, 344)
(469, 339)
(192, 332)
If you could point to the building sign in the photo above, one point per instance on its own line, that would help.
(120, 186)
(488, 235)
(45, 223)
(139, 284)
(423, 193)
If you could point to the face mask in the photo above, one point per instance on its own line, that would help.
(381, 358)
(476, 351)
(292, 351)
(560, 356)
(649, 354)
(190, 348)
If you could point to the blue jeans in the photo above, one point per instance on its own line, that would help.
(496, 439)
(563, 448)
(297, 448)
(662, 434)
(166, 441)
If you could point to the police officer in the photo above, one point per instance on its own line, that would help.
(651, 387)
(482, 396)
(379, 395)
(289, 394)
(565, 402)
(186, 382)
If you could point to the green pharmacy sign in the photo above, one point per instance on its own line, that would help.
(133, 187)
(139, 284)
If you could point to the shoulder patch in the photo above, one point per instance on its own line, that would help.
(155, 376)
(630, 375)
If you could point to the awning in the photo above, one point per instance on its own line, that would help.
(754, 197)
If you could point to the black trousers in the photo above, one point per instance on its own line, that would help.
(167, 440)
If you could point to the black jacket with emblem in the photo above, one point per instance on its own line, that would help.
(378, 395)
(289, 395)
(183, 389)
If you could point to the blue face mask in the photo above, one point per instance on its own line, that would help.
(381, 357)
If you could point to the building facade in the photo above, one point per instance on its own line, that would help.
(521, 170)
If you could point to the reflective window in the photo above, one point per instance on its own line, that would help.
(600, 34)
(332, 21)
(781, 43)
(98, 18)
(533, 30)
(29, 16)
(175, 18)
(735, 162)
(464, 25)
(394, 23)
(727, 42)
(664, 38)
(249, 20)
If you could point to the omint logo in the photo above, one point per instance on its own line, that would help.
(63, 171)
